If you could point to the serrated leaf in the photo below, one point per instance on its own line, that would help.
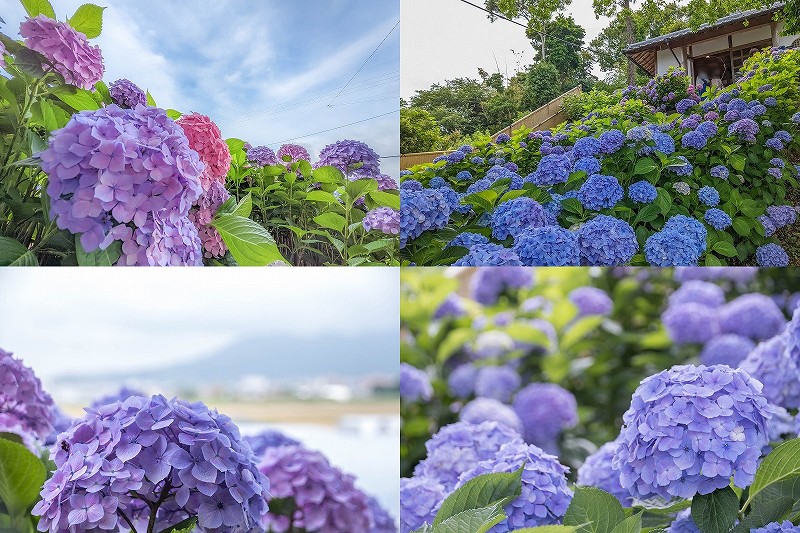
(547, 529)
(779, 465)
(88, 19)
(244, 207)
(594, 511)
(333, 221)
(328, 174)
(250, 243)
(383, 198)
(98, 257)
(10, 251)
(471, 521)
(22, 475)
(76, 98)
(358, 188)
(480, 492)
(724, 248)
(632, 524)
(38, 7)
(715, 512)
(185, 526)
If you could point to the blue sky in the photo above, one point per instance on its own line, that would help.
(265, 71)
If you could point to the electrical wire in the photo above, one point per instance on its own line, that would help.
(334, 128)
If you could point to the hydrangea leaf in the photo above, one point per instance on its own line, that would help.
(186, 526)
(580, 329)
(383, 198)
(328, 174)
(38, 7)
(770, 511)
(782, 464)
(594, 511)
(10, 251)
(528, 334)
(487, 491)
(244, 207)
(715, 512)
(22, 475)
(76, 98)
(632, 524)
(644, 166)
(88, 19)
(471, 521)
(547, 529)
(250, 243)
(333, 221)
(98, 257)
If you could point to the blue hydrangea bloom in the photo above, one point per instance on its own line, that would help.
(781, 215)
(707, 128)
(671, 248)
(611, 141)
(468, 239)
(772, 364)
(664, 143)
(597, 471)
(777, 527)
(683, 523)
(698, 291)
(753, 315)
(464, 175)
(769, 226)
(546, 409)
(498, 382)
(777, 162)
(642, 192)
(437, 182)
(488, 284)
(411, 185)
(455, 157)
(476, 160)
(600, 192)
(590, 165)
(591, 301)
(639, 134)
(489, 255)
(490, 410)
(694, 139)
(503, 138)
(774, 144)
(720, 171)
(606, 241)
(712, 424)
(461, 381)
(552, 169)
(691, 227)
(717, 218)
(421, 211)
(547, 246)
(770, 101)
(516, 215)
(586, 147)
(783, 136)
(745, 129)
(772, 255)
(728, 349)
(690, 323)
(479, 185)
(452, 306)
(684, 105)
(420, 498)
(415, 384)
(708, 195)
(684, 168)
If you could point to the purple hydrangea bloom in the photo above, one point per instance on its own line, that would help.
(452, 306)
(708, 128)
(127, 175)
(720, 171)
(708, 195)
(490, 410)
(745, 129)
(591, 301)
(698, 291)
(598, 471)
(777, 527)
(126, 94)
(770, 101)
(753, 315)
(781, 215)
(546, 409)
(120, 395)
(514, 216)
(354, 158)
(122, 457)
(382, 521)
(717, 218)
(420, 498)
(420, 211)
(611, 141)
(487, 285)
(547, 246)
(261, 156)
(684, 168)
(269, 438)
(728, 349)
(545, 495)
(774, 144)
(489, 255)
(772, 255)
(502, 138)
(552, 169)
(642, 192)
(386, 182)
(325, 498)
(769, 226)
(25, 408)
(772, 364)
(689, 429)
(459, 447)
(690, 322)
(415, 384)
(497, 382)
(684, 105)
(683, 523)
(783, 136)
(292, 153)
(383, 219)
(606, 241)
(461, 380)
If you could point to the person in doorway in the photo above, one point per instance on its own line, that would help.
(702, 81)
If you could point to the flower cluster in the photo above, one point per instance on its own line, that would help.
(489, 255)
(689, 429)
(261, 156)
(112, 465)
(420, 498)
(205, 139)
(269, 438)
(598, 471)
(777, 527)
(487, 285)
(490, 410)
(422, 210)
(600, 192)
(25, 408)
(415, 384)
(591, 301)
(127, 94)
(512, 217)
(772, 255)
(605, 241)
(292, 153)
(383, 219)
(202, 214)
(642, 192)
(354, 158)
(547, 246)
(546, 409)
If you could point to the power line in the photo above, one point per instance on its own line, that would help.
(335, 128)
(392, 97)
(364, 63)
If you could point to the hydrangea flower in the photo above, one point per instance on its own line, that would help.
(684, 105)
(547, 246)
(774, 144)
(420, 211)
(325, 498)
(606, 241)
(590, 165)
(729, 349)
(545, 495)
(552, 169)
(490, 410)
(753, 315)
(690, 322)
(206, 139)
(598, 471)
(642, 192)
(468, 239)
(78, 62)
(720, 171)
(386, 182)
(292, 153)
(122, 457)
(141, 191)
(717, 218)
(591, 301)
(459, 447)
(600, 192)
(201, 216)
(487, 285)
(745, 129)
(268, 438)
(354, 158)
(768, 225)
(777, 527)
(489, 255)
(689, 429)
(126, 94)
(261, 156)
(420, 498)
(684, 168)
(781, 215)
(25, 408)
(586, 147)
(683, 523)
(690, 227)
(708, 195)
(382, 522)
(415, 384)
(694, 139)
(698, 291)
(120, 395)
(514, 216)
(411, 185)
(546, 409)
(772, 364)
(461, 381)
(383, 219)
(493, 344)
(611, 141)
(452, 306)
(497, 382)
(772, 255)
(682, 187)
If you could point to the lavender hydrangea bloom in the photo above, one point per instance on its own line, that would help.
(126, 94)
(489, 255)
(415, 384)
(753, 315)
(490, 410)
(546, 409)
(772, 255)
(684, 105)
(122, 394)
(138, 194)
(354, 158)
(461, 381)
(606, 241)
(774, 144)
(642, 192)
(269, 438)
(545, 495)
(383, 219)
(420, 211)
(745, 129)
(420, 498)
(292, 153)
(728, 349)
(497, 382)
(772, 364)
(487, 285)
(126, 455)
(781, 215)
(698, 291)
(386, 182)
(325, 498)
(689, 323)
(598, 471)
(777, 527)
(600, 192)
(514, 216)
(459, 447)
(552, 169)
(382, 522)
(689, 429)
(452, 306)
(25, 408)
(547, 246)
(683, 523)
(261, 156)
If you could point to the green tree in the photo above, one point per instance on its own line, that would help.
(620, 8)
(565, 49)
(537, 13)
(419, 131)
(542, 84)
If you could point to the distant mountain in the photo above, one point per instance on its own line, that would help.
(280, 358)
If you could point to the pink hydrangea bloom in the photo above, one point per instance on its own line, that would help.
(80, 63)
(205, 139)
(2, 53)
(201, 216)
(295, 152)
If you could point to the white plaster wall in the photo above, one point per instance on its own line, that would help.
(712, 46)
(751, 35)
(664, 60)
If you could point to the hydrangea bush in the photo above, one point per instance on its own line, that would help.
(656, 163)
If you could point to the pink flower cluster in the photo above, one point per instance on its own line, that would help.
(202, 214)
(295, 152)
(80, 63)
(205, 139)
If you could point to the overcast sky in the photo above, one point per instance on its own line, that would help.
(446, 39)
(264, 71)
(58, 320)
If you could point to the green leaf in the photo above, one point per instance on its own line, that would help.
(771, 510)
(249, 243)
(10, 251)
(76, 98)
(781, 464)
(724, 248)
(572, 205)
(472, 521)
(321, 196)
(712, 260)
(737, 162)
(358, 188)
(22, 475)
(244, 207)
(594, 511)
(663, 201)
(528, 334)
(481, 492)
(741, 226)
(174, 114)
(88, 19)
(28, 259)
(328, 174)
(483, 199)
(632, 524)
(150, 100)
(38, 7)
(648, 213)
(547, 529)
(99, 257)
(386, 199)
(715, 512)
(580, 329)
(644, 166)
(330, 220)
(186, 526)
